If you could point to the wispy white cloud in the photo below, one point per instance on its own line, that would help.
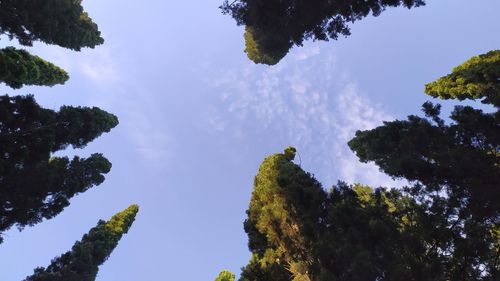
(98, 66)
(305, 101)
(108, 86)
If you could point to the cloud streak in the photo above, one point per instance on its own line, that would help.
(305, 101)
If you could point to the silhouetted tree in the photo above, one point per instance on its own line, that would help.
(33, 184)
(18, 68)
(83, 261)
(274, 26)
(59, 22)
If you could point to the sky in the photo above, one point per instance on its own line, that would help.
(197, 118)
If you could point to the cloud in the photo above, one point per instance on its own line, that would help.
(305, 101)
(98, 66)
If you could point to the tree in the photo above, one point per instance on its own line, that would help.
(460, 158)
(455, 167)
(298, 231)
(83, 261)
(225, 275)
(18, 68)
(283, 218)
(476, 78)
(59, 22)
(34, 185)
(273, 27)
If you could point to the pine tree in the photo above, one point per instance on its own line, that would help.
(59, 22)
(19, 68)
(274, 26)
(83, 261)
(34, 185)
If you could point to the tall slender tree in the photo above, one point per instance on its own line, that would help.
(59, 22)
(33, 184)
(272, 27)
(19, 68)
(455, 166)
(83, 261)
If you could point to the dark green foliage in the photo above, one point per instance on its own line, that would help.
(18, 68)
(225, 276)
(34, 185)
(477, 78)
(274, 26)
(455, 168)
(297, 231)
(460, 158)
(83, 261)
(59, 22)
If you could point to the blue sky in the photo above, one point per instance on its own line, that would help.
(197, 117)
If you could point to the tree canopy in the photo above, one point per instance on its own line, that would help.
(299, 231)
(454, 166)
(59, 22)
(19, 68)
(34, 184)
(477, 78)
(272, 27)
(83, 261)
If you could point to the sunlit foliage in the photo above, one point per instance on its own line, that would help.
(299, 231)
(225, 275)
(82, 262)
(477, 78)
(19, 68)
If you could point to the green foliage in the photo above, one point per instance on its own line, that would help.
(299, 231)
(477, 78)
(59, 22)
(455, 169)
(265, 48)
(83, 261)
(225, 275)
(460, 158)
(34, 185)
(274, 26)
(18, 68)
(283, 216)
(290, 153)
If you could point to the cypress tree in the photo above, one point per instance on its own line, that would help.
(477, 78)
(272, 27)
(298, 231)
(19, 68)
(455, 166)
(34, 185)
(83, 261)
(59, 22)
